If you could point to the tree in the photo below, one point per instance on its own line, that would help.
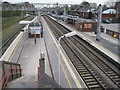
(110, 3)
(90, 16)
(117, 4)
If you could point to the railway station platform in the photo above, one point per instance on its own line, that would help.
(107, 44)
(29, 61)
(25, 52)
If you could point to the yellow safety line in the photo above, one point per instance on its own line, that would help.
(13, 51)
(63, 70)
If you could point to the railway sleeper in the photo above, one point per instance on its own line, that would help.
(102, 66)
(117, 80)
(96, 87)
(90, 77)
(77, 62)
(83, 70)
(86, 72)
(115, 77)
(90, 80)
(92, 83)
(80, 66)
(112, 74)
(86, 75)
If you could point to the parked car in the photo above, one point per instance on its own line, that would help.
(105, 21)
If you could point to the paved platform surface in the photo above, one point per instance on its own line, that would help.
(107, 44)
(27, 54)
(112, 27)
(29, 61)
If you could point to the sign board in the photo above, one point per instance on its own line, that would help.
(35, 30)
(87, 25)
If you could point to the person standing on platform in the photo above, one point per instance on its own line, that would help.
(41, 30)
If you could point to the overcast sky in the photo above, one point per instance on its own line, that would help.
(59, 1)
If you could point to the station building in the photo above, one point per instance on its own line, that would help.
(86, 25)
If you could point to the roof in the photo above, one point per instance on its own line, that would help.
(84, 20)
(34, 24)
(110, 11)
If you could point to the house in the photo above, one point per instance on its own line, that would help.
(109, 14)
(118, 12)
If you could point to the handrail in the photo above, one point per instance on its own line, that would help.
(38, 76)
(38, 73)
(6, 76)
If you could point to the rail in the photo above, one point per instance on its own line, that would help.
(9, 40)
(83, 59)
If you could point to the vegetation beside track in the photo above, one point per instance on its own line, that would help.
(10, 24)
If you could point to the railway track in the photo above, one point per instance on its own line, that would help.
(9, 40)
(92, 67)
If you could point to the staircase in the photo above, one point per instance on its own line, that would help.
(11, 77)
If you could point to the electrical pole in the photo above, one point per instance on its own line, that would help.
(64, 13)
(34, 33)
(99, 22)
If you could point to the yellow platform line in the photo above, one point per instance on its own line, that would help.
(12, 52)
(63, 69)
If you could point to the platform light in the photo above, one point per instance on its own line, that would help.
(70, 34)
(25, 22)
(66, 35)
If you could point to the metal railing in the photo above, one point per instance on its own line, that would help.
(9, 71)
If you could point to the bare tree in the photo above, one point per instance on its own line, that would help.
(111, 3)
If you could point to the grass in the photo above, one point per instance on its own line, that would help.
(10, 24)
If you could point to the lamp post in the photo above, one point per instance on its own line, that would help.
(66, 35)
(99, 22)
(34, 33)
